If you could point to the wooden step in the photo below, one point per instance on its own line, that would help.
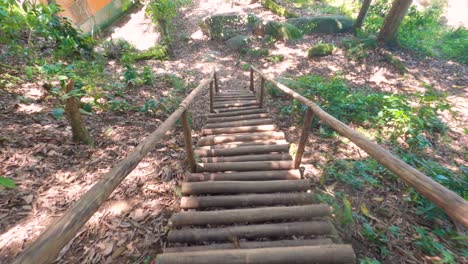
(275, 255)
(231, 145)
(249, 122)
(220, 139)
(236, 108)
(232, 187)
(245, 166)
(231, 104)
(224, 234)
(254, 215)
(259, 157)
(237, 130)
(253, 244)
(245, 176)
(237, 113)
(246, 200)
(242, 150)
(214, 120)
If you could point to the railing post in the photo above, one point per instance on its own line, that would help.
(211, 97)
(262, 88)
(216, 82)
(304, 137)
(251, 80)
(188, 140)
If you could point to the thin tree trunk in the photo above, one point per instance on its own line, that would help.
(72, 109)
(388, 32)
(166, 37)
(362, 14)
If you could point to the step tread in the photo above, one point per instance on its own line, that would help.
(242, 150)
(245, 176)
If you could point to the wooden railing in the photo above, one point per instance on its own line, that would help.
(48, 245)
(452, 204)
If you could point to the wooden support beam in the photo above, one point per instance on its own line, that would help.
(220, 139)
(256, 157)
(304, 138)
(337, 254)
(211, 98)
(251, 80)
(262, 91)
(188, 140)
(215, 77)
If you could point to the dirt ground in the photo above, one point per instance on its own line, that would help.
(52, 172)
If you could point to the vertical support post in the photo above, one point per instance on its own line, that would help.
(251, 80)
(304, 137)
(211, 97)
(188, 140)
(215, 76)
(262, 88)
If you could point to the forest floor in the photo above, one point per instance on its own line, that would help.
(52, 172)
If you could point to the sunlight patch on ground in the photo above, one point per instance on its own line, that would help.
(29, 109)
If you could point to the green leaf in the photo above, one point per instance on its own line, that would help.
(62, 77)
(58, 113)
(9, 183)
(84, 112)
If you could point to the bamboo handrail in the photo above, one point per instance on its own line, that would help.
(49, 244)
(451, 203)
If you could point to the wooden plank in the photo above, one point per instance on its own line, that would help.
(249, 122)
(220, 139)
(188, 141)
(304, 138)
(237, 130)
(247, 150)
(228, 187)
(224, 234)
(255, 215)
(214, 120)
(237, 113)
(262, 91)
(246, 200)
(246, 158)
(235, 108)
(245, 176)
(238, 144)
(451, 203)
(336, 254)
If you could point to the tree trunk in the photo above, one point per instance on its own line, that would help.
(166, 37)
(362, 14)
(388, 32)
(72, 109)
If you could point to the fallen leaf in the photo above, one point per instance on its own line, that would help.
(106, 247)
(378, 199)
(28, 198)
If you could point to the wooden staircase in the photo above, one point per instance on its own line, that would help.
(248, 203)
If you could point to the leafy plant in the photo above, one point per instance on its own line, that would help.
(429, 246)
(147, 75)
(8, 183)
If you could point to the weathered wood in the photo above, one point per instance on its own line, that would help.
(304, 138)
(211, 98)
(253, 244)
(237, 113)
(264, 142)
(224, 234)
(215, 77)
(216, 120)
(250, 215)
(48, 245)
(228, 187)
(452, 204)
(235, 104)
(72, 108)
(251, 80)
(235, 108)
(247, 150)
(336, 254)
(245, 166)
(246, 200)
(258, 157)
(248, 122)
(262, 91)
(218, 99)
(237, 130)
(245, 176)
(220, 139)
(188, 140)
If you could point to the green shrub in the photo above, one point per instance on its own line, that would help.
(320, 50)
(114, 49)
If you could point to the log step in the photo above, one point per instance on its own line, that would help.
(231, 145)
(260, 157)
(233, 187)
(236, 108)
(220, 139)
(245, 166)
(238, 112)
(275, 255)
(245, 176)
(237, 130)
(253, 244)
(236, 118)
(224, 234)
(255, 215)
(230, 104)
(240, 150)
(246, 200)
(249, 122)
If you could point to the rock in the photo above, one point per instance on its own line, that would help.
(226, 26)
(278, 9)
(320, 50)
(277, 30)
(324, 24)
(238, 42)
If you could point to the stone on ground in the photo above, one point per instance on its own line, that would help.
(226, 26)
(325, 24)
(238, 42)
(320, 50)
